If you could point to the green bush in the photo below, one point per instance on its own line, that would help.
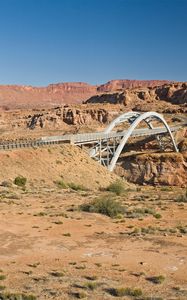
(106, 206)
(20, 181)
(116, 187)
(157, 216)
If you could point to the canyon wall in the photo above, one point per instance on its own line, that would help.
(16, 96)
(168, 98)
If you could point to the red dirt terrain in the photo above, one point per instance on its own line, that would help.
(69, 228)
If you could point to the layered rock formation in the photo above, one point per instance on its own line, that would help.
(123, 84)
(15, 96)
(168, 98)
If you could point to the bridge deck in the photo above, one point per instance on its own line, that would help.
(84, 138)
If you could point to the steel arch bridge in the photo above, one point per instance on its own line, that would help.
(107, 151)
(106, 146)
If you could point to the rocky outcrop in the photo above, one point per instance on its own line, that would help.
(169, 98)
(183, 145)
(155, 169)
(69, 115)
(175, 93)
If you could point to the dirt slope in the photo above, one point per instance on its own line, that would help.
(43, 166)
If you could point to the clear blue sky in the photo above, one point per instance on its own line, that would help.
(48, 41)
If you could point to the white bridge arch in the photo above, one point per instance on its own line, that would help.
(134, 118)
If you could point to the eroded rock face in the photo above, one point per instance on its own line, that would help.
(71, 116)
(175, 93)
(155, 169)
(168, 98)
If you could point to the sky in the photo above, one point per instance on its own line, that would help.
(94, 41)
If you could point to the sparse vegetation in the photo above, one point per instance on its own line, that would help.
(76, 187)
(67, 234)
(157, 216)
(156, 279)
(121, 292)
(2, 277)
(91, 285)
(79, 295)
(57, 274)
(116, 187)
(58, 222)
(106, 205)
(20, 181)
(16, 296)
(61, 184)
(91, 277)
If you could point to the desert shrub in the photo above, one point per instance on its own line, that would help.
(182, 229)
(91, 277)
(165, 188)
(2, 277)
(58, 162)
(61, 184)
(76, 187)
(139, 212)
(120, 292)
(20, 181)
(116, 187)
(57, 274)
(105, 205)
(156, 279)
(157, 216)
(91, 285)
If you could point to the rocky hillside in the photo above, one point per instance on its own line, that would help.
(15, 96)
(155, 169)
(169, 98)
(61, 118)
